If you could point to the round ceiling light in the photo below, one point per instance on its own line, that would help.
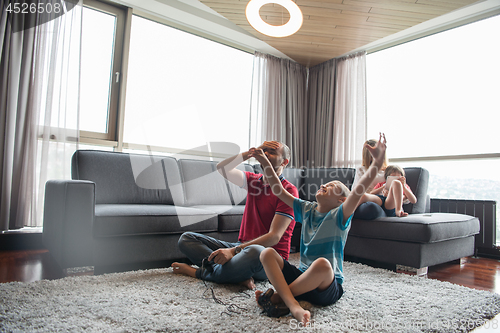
(287, 29)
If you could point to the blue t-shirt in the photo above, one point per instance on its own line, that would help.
(323, 235)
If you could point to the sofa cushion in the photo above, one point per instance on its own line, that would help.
(417, 228)
(129, 178)
(204, 185)
(229, 216)
(296, 177)
(125, 220)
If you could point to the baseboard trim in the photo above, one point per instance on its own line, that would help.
(20, 241)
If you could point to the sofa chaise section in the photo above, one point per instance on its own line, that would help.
(419, 240)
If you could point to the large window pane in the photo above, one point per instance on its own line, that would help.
(184, 91)
(438, 95)
(98, 34)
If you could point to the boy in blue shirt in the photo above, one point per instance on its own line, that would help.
(325, 225)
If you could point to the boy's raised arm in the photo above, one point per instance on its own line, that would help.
(272, 177)
(378, 154)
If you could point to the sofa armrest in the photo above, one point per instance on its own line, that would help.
(68, 221)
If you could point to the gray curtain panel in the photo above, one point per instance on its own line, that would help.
(278, 104)
(337, 112)
(321, 104)
(319, 112)
(39, 92)
(17, 137)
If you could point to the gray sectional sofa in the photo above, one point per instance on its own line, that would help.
(127, 209)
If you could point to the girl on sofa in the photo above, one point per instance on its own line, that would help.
(368, 210)
(365, 164)
(392, 193)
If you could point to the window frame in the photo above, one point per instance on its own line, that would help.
(116, 114)
(110, 137)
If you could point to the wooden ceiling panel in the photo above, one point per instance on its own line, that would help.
(332, 28)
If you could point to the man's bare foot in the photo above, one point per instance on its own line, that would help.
(257, 295)
(250, 284)
(185, 269)
(401, 213)
(303, 316)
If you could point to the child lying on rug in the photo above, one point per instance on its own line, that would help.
(325, 224)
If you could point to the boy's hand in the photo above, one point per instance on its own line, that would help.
(378, 151)
(257, 153)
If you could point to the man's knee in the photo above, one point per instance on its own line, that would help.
(184, 239)
(252, 252)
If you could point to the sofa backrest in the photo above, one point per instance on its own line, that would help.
(129, 178)
(315, 177)
(294, 176)
(418, 180)
(204, 185)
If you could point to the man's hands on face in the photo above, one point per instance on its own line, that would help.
(270, 145)
(221, 256)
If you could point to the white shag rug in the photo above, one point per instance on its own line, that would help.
(375, 300)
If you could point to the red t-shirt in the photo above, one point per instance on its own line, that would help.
(260, 208)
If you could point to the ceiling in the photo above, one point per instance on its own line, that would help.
(333, 28)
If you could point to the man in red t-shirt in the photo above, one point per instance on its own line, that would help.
(267, 222)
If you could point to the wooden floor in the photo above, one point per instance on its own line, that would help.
(28, 266)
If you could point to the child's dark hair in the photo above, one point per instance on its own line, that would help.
(393, 168)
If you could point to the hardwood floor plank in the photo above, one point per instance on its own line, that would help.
(33, 265)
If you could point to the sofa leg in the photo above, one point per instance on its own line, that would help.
(422, 271)
(412, 270)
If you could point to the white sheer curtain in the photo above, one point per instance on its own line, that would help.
(350, 111)
(39, 72)
(278, 103)
(57, 77)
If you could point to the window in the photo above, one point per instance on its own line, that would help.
(438, 96)
(184, 91)
(102, 38)
(440, 91)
